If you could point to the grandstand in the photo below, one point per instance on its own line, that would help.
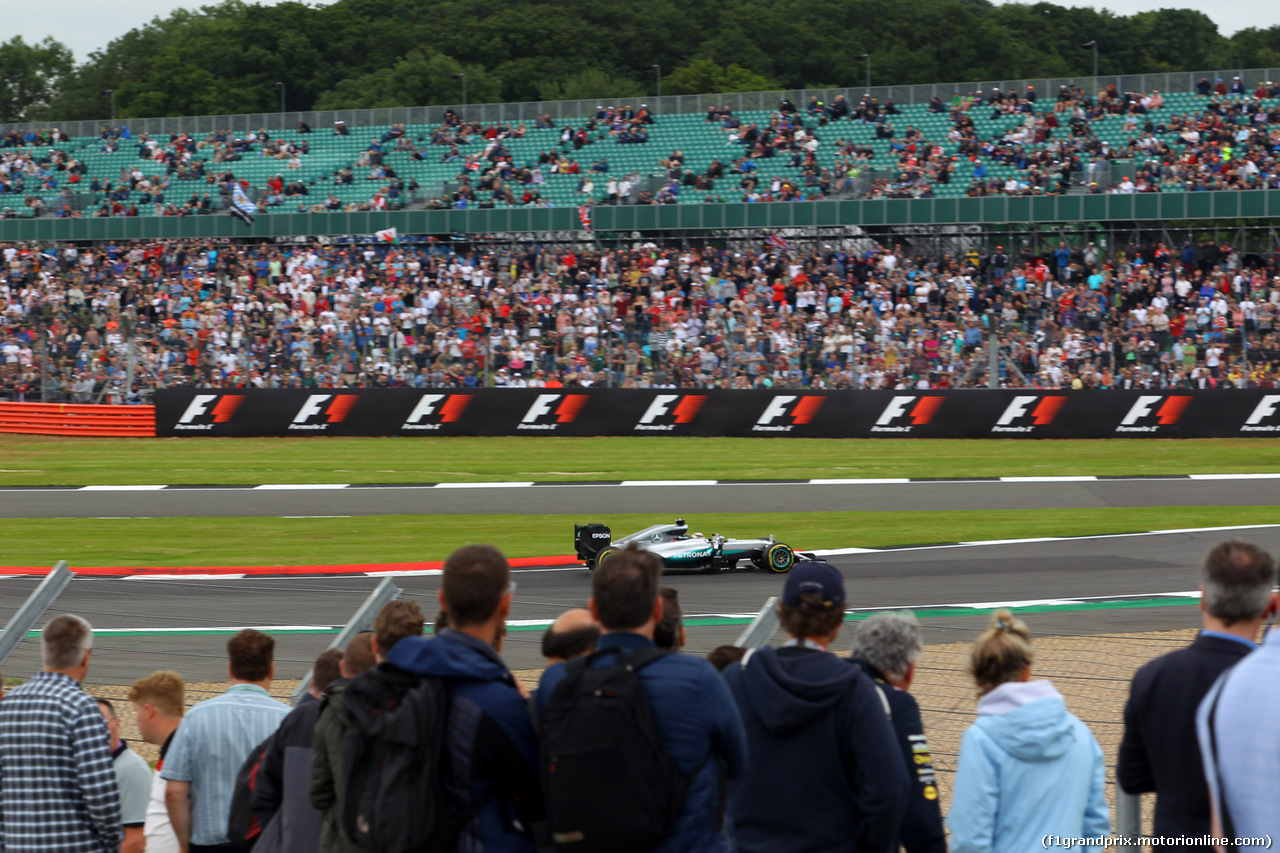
(166, 166)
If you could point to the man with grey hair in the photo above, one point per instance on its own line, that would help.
(886, 646)
(58, 791)
(1159, 751)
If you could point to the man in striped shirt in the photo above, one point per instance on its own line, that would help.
(58, 790)
(213, 741)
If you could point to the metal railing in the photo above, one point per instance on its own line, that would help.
(33, 608)
(323, 120)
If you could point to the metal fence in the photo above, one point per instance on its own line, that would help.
(1182, 81)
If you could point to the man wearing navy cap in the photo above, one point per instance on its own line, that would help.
(824, 772)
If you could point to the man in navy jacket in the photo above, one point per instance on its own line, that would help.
(1159, 751)
(692, 708)
(493, 750)
(818, 735)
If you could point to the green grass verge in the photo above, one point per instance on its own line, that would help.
(44, 461)
(395, 539)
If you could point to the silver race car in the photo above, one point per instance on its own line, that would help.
(681, 550)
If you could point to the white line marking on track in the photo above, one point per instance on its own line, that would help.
(884, 481)
(512, 485)
(220, 628)
(1234, 477)
(298, 487)
(983, 543)
(670, 482)
(200, 577)
(1048, 479)
(120, 488)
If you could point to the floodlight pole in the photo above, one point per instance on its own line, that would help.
(463, 77)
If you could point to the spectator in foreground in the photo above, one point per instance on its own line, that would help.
(817, 732)
(213, 741)
(573, 634)
(395, 621)
(158, 706)
(691, 707)
(284, 774)
(722, 656)
(1239, 732)
(133, 777)
(1028, 767)
(668, 634)
(1159, 751)
(58, 791)
(323, 673)
(887, 646)
(492, 754)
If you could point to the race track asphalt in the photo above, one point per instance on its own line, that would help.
(664, 499)
(1024, 572)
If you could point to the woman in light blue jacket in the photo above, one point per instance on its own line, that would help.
(1029, 769)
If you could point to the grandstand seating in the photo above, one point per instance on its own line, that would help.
(700, 141)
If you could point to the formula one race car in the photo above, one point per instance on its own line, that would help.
(681, 550)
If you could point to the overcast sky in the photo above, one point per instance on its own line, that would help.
(88, 25)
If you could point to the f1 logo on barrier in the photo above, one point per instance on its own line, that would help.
(565, 413)
(335, 413)
(1017, 410)
(450, 412)
(800, 409)
(1144, 408)
(684, 412)
(1266, 409)
(921, 414)
(199, 415)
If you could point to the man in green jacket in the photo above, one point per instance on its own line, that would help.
(397, 619)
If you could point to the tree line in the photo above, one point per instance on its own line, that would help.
(390, 53)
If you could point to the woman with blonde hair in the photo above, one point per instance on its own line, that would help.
(1028, 767)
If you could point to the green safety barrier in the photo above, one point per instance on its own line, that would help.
(990, 210)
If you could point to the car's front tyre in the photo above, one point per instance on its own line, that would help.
(779, 558)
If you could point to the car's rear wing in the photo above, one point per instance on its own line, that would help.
(590, 539)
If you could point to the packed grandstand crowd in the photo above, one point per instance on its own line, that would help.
(1221, 137)
(427, 315)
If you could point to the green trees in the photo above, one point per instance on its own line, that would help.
(30, 75)
(383, 53)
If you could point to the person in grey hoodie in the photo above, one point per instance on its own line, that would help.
(1030, 771)
(819, 740)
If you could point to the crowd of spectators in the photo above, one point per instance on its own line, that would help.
(1023, 143)
(530, 315)
(405, 741)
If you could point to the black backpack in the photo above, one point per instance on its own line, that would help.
(611, 785)
(393, 754)
(243, 828)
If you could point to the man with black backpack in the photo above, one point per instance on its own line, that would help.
(464, 775)
(637, 743)
(327, 789)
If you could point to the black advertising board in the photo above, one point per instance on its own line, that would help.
(781, 413)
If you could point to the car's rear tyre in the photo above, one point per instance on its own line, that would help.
(780, 558)
(602, 556)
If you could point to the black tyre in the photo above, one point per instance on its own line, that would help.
(602, 556)
(780, 558)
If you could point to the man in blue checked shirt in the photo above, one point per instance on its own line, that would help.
(213, 741)
(58, 790)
